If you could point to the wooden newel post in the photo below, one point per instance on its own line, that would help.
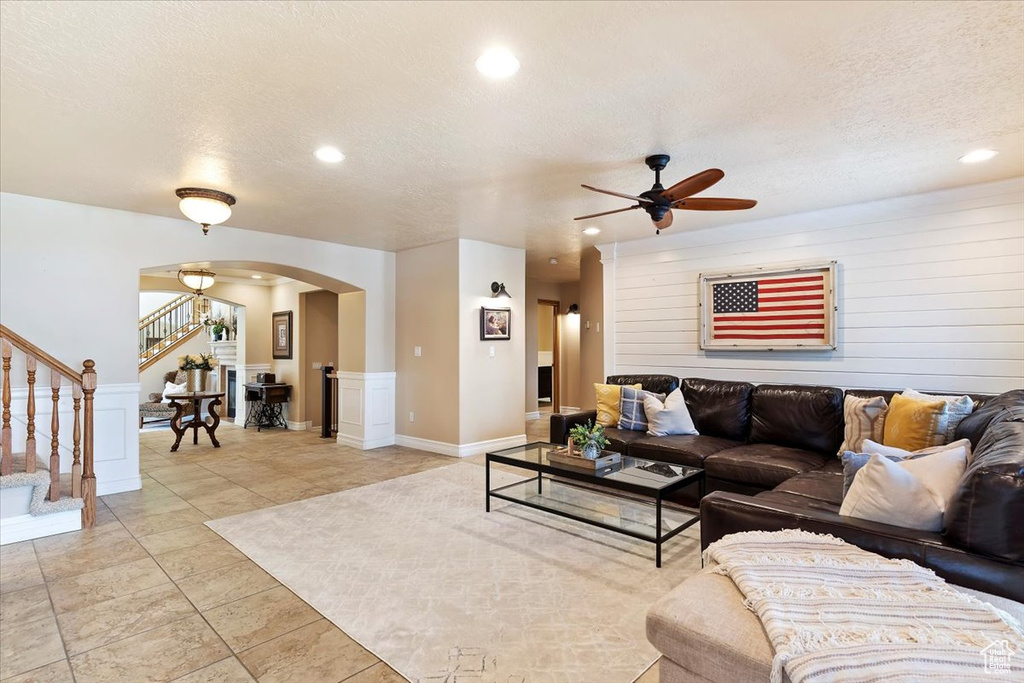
(6, 455)
(88, 474)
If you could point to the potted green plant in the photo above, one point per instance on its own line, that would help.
(218, 330)
(589, 438)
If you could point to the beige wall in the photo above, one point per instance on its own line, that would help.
(151, 380)
(592, 339)
(491, 388)
(287, 297)
(351, 319)
(319, 338)
(427, 315)
(545, 330)
(569, 341)
(569, 348)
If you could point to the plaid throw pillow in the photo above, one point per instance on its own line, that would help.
(631, 408)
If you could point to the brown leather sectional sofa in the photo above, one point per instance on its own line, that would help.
(769, 454)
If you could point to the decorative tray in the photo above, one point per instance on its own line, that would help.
(603, 464)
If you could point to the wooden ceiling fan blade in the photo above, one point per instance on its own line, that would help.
(694, 184)
(714, 204)
(605, 213)
(642, 200)
(665, 221)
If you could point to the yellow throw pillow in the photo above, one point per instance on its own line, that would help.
(913, 425)
(608, 398)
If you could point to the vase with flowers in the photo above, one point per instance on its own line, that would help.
(589, 438)
(197, 367)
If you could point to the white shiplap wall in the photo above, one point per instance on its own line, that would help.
(930, 293)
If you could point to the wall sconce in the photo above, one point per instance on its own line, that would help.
(574, 309)
(498, 291)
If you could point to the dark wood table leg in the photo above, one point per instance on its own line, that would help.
(211, 428)
(176, 427)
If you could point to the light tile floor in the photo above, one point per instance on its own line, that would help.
(150, 594)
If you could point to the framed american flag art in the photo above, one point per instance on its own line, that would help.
(774, 308)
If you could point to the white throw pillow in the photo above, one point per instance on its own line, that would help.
(171, 388)
(885, 491)
(958, 407)
(670, 417)
(870, 446)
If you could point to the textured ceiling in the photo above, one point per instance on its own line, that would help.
(803, 104)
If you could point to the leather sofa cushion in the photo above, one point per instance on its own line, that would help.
(825, 485)
(1001, 408)
(680, 449)
(619, 439)
(719, 408)
(777, 497)
(802, 417)
(762, 464)
(986, 514)
(656, 384)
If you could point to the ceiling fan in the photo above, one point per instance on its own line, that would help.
(659, 202)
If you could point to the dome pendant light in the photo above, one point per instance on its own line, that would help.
(205, 207)
(196, 279)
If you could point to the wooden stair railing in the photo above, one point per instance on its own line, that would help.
(83, 387)
(167, 326)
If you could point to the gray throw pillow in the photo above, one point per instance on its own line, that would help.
(631, 408)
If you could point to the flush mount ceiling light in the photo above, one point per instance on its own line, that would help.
(329, 155)
(977, 156)
(591, 231)
(553, 261)
(205, 207)
(498, 291)
(497, 62)
(257, 277)
(196, 279)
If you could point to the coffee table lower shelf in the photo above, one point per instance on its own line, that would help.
(650, 521)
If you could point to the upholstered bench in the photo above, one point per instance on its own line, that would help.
(705, 634)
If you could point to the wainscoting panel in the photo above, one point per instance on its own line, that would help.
(366, 409)
(930, 293)
(116, 435)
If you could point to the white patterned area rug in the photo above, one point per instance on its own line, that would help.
(416, 572)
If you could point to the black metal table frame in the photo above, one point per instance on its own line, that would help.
(264, 415)
(657, 496)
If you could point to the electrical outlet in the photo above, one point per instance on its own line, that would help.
(412, 416)
(587, 325)
(317, 365)
(490, 352)
(417, 351)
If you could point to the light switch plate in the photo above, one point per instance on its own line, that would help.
(417, 351)
(490, 352)
(317, 365)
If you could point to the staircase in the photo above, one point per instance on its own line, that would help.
(36, 499)
(167, 327)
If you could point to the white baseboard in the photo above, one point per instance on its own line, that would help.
(568, 409)
(299, 426)
(107, 488)
(25, 527)
(365, 444)
(460, 450)
(535, 415)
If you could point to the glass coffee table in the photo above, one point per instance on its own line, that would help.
(627, 498)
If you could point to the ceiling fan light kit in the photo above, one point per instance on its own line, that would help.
(659, 202)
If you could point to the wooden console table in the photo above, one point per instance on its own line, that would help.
(197, 420)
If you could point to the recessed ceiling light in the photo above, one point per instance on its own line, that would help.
(257, 277)
(553, 261)
(497, 62)
(329, 155)
(977, 156)
(591, 231)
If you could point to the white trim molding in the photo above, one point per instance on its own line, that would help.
(299, 426)
(535, 415)
(460, 450)
(115, 431)
(25, 527)
(366, 409)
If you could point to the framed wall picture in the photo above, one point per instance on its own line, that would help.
(772, 308)
(495, 323)
(281, 324)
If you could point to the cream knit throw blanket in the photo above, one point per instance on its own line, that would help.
(836, 613)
